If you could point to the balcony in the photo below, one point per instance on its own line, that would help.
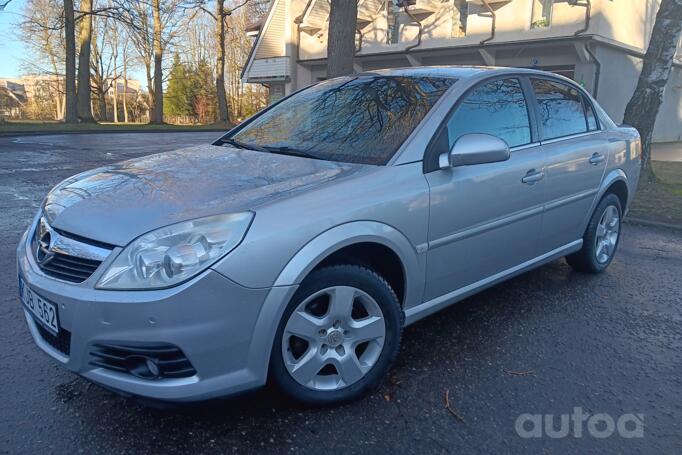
(273, 69)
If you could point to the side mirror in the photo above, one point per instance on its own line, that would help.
(475, 148)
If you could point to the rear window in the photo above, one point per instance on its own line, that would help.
(561, 109)
(358, 119)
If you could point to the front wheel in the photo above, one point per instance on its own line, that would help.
(338, 337)
(601, 238)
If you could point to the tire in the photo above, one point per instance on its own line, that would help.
(320, 356)
(601, 237)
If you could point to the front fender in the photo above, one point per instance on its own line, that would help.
(358, 232)
(311, 255)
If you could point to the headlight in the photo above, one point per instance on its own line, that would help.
(175, 253)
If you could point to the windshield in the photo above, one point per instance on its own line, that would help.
(357, 119)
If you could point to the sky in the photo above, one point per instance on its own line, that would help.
(11, 48)
(12, 52)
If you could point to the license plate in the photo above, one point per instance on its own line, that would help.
(44, 312)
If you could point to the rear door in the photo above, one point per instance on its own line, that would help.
(576, 152)
(485, 218)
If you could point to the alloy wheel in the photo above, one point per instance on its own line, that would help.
(606, 238)
(333, 338)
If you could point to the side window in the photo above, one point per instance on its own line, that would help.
(561, 109)
(590, 115)
(497, 108)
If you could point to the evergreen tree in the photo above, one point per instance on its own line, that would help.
(178, 96)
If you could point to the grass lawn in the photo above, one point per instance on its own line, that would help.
(9, 127)
(661, 201)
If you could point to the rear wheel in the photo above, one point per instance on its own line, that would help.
(601, 238)
(338, 337)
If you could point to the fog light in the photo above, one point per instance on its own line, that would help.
(142, 367)
(153, 367)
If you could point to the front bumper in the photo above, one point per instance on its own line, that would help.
(219, 325)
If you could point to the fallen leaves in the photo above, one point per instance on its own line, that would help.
(518, 373)
(449, 407)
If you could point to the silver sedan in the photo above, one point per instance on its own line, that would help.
(297, 246)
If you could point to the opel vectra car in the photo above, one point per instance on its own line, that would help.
(297, 246)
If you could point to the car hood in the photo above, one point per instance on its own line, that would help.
(117, 203)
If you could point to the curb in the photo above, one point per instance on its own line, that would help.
(114, 131)
(658, 224)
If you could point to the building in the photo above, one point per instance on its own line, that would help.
(12, 99)
(599, 43)
(133, 85)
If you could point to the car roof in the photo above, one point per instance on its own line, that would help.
(454, 71)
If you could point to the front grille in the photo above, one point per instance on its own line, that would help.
(61, 342)
(170, 360)
(66, 257)
(69, 268)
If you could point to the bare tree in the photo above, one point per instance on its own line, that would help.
(125, 80)
(114, 54)
(223, 114)
(646, 101)
(102, 63)
(84, 43)
(341, 42)
(157, 111)
(153, 26)
(71, 112)
(42, 34)
(220, 17)
(137, 19)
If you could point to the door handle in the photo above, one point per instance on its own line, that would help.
(533, 176)
(596, 158)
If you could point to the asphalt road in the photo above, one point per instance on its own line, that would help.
(543, 343)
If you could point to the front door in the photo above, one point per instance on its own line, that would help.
(485, 218)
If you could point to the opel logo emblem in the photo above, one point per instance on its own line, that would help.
(44, 253)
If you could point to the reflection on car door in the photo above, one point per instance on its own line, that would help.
(483, 218)
(576, 159)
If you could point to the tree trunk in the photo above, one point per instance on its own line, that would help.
(115, 57)
(643, 107)
(84, 41)
(125, 84)
(341, 40)
(223, 116)
(150, 87)
(70, 112)
(58, 101)
(157, 112)
(102, 105)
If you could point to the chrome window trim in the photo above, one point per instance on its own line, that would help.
(524, 146)
(571, 136)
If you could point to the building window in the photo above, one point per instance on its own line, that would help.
(393, 32)
(542, 13)
(459, 18)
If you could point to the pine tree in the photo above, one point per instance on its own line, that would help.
(179, 92)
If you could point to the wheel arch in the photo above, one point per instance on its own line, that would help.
(356, 242)
(615, 181)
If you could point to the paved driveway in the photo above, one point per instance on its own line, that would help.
(547, 342)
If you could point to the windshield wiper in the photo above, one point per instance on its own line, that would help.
(282, 150)
(286, 150)
(242, 145)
